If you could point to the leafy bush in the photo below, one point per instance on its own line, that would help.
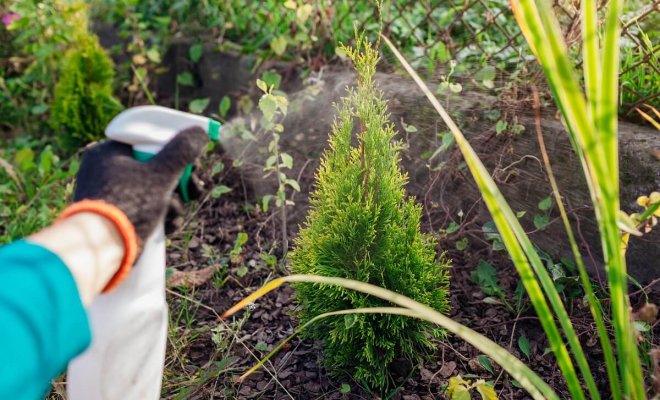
(34, 41)
(83, 103)
(35, 185)
(362, 226)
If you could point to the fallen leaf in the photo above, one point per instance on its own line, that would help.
(447, 369)
(647, 313)
(191, 278)
(426, 374)
(655, 357)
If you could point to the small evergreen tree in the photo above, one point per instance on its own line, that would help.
(83, 103)
(362, 226)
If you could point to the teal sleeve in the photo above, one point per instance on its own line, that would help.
(43, 323)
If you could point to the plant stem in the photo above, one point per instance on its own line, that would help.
(281, 191)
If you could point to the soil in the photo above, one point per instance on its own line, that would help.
(206, 354)
(205, 364)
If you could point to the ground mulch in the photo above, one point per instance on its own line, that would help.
(200, 367)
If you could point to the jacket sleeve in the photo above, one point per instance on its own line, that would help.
(43, 323)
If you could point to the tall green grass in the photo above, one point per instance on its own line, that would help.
(590, 116)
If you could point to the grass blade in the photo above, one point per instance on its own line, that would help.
(594, 305)
(522, 253)
(649, 118)
(626, 345)
(597, 139)
(535, 386)
(591, 61)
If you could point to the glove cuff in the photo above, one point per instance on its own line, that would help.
(124, 227)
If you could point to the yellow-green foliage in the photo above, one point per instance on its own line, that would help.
(362, 226)
(83, 103)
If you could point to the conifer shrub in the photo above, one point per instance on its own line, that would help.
(83, 103)
(363, 226)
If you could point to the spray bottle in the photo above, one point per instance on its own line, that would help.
(129, 325)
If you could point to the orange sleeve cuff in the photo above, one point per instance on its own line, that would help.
(124, 227)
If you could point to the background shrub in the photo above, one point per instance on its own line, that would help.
(32, 46)
(363, 226)
(83, 103)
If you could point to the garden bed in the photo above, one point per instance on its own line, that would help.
(206, 354)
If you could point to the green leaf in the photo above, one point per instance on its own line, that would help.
(219, 191)
(409, 128)
(217, 168)
(263, 86)
(350, 320)
(455, 87)
(486, 277)
(485, 362)
(242, 271)
(524, 346)
(269, 259)
(24, 159)
(153, 55)
(641, 326)
(520, 214)
(261, 346)
(287, 160)
(272, 78)
(224, 106)
(294, 184)
(452, 227)
(545, 204)
(282, 103)
(278, 45)
(198, 106)
(303, 13)
(556, 271)
(241, 239)
(462, 244)
(169, 272)
(265, 201)
(195, 52)
(541, 221)
(500, 126)
(486, 73)
(345, 388)
(39, 109)
(268, 106)
(185, 79)
(490, 231)
(486, 391)
(270, 162)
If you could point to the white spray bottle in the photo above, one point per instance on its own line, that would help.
(129, 325)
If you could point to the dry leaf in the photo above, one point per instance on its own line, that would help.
(447, 369)
(647, 313)
(191, 278)
(655, 358)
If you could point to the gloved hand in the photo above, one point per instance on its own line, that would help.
(142, 191)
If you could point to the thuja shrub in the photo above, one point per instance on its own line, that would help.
(83, 103)
(363, 226)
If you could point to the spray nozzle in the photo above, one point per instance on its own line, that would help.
(149, 128)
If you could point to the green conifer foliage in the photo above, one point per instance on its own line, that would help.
(363, 226)
(83, 103)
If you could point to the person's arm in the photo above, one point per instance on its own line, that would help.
(45, 282)
(91, 248)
